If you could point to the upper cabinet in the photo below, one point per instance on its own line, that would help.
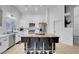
(1, 17)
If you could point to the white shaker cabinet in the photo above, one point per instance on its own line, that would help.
(1, 13)
(18, 38)
(4, 44)
(0, 45)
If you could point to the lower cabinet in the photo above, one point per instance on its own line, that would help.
(4, 44)
(0, 45)
(11, 40)
(18, 38)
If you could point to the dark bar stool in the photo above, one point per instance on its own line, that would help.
(28, 44)
(43, 47)
(34, 50)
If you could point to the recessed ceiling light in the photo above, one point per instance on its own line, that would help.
(40, 5)
(36, 9)
(29, 5)
(26, 9)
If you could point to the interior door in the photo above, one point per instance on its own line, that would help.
(76, 26)
(76, 21)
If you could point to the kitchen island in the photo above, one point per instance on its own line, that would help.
(40, 44)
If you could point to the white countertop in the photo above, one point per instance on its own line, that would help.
(34, 35)
(4, 35)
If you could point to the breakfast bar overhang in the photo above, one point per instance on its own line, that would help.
(53, 39)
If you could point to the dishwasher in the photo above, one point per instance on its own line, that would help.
(11, 40)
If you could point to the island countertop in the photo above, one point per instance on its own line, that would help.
(38, 35)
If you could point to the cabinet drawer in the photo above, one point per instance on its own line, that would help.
(18, 38)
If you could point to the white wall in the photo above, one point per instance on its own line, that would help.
(57, 16)
(28, 19)
(31, 15)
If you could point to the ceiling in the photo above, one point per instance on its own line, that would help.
(31, 9)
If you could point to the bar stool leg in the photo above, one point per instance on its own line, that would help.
(34, 47)
(43, 47)
(25, 47)
(27, 50)
(34, 51)
(53, 48)
(43, 51)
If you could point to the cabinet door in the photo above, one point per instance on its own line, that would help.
(6, 44)
(0, 17)
(18, 38)
(0, 45)
(3, 44)
(11, 40)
